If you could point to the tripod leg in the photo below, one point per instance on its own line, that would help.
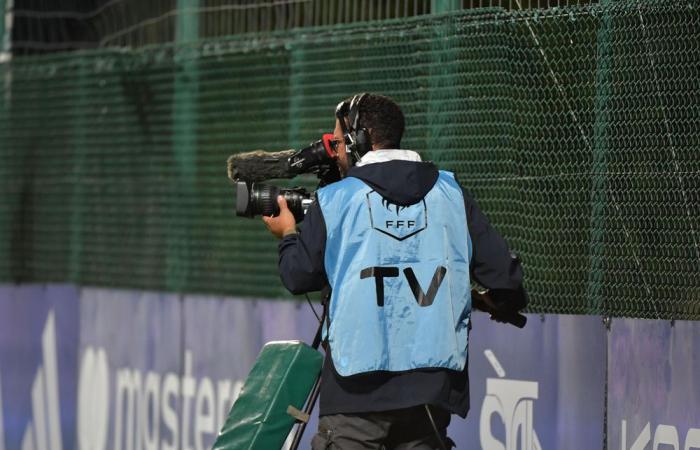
(308, 409)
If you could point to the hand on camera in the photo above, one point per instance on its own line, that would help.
(483, 302)
(283, 223)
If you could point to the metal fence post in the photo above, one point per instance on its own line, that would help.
(442, 6)
(80, 106)
(184, 123)
(5, 208)
(596, 272)
(297, 58)
(4, 40)
(441, 84)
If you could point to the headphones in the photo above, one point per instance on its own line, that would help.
(357, 141)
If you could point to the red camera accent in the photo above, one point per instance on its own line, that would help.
(327, 138)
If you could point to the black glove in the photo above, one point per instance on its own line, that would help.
(500, 311)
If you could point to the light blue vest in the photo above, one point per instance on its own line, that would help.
(400, 277)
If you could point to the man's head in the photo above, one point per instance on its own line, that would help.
(383, 120)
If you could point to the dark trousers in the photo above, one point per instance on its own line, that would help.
(400, 429)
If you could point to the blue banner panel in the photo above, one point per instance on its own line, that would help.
(133, 389)
(541, 387)
(222, 339)
(100, 369)
(654, 385)
(38, 360)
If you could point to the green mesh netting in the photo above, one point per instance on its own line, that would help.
(577, 129)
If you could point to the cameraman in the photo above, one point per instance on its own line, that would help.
(397, 241)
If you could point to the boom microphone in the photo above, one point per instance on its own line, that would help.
(319, 158)
(259, 165)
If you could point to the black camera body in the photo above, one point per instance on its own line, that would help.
(258, 199)
(248, 169)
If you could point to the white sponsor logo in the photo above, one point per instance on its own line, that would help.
(151, 411)
(43, 431)
(663, 435)
(513, 401)
(93, 400)
(188, 411)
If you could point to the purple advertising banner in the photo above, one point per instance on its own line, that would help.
(131, 391)
(654, 385)
(98, 369)
(101, 369)
(544, 384)
(222, 339)
(537, 388)
(38, 358)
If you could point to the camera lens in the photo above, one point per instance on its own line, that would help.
(243, 203)
(256, 199)
(261, 200)
(264, 199)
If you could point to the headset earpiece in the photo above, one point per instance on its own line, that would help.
(362, 144)
(357, 139)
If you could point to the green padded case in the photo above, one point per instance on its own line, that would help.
(283, 375)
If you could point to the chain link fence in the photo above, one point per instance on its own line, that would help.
(577, 129)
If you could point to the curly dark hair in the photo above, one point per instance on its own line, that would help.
(382, 117)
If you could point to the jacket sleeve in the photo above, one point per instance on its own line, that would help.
(493, 265)
(301, 255)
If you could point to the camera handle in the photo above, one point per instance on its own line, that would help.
(316, 390)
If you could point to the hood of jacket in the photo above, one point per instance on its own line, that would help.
(400, 181)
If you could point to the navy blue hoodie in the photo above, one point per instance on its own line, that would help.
(301, 265)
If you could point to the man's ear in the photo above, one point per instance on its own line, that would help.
(370, 132)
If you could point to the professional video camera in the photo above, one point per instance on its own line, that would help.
(248, 169)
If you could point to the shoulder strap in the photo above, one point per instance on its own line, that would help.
(325, 298)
